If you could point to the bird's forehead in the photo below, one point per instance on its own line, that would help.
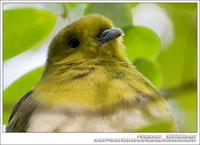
(91, 23)
(94, 20)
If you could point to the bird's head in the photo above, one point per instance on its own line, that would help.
(91, 37)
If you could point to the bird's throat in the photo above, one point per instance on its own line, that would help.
(90, 87)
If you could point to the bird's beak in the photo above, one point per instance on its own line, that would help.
(110, 34)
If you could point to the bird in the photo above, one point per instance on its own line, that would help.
(90, 85)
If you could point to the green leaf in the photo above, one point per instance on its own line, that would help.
(151, 70)
(24, 28)
(163, 126)
(132, 5)
(180, 7)
(184, 108)
(141, 42)
(19, 88)
(120, 14)
(179, 61)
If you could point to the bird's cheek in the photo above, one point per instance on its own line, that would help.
(90, 47)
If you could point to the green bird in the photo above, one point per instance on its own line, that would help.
(89, 85)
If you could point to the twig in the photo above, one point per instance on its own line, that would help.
(180, 89)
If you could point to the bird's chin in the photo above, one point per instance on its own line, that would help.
(111, 44)
(111, 47)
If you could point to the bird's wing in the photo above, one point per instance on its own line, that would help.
(150, 102)
(157, 112)
(18, 121)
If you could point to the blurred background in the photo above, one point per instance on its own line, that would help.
(160, 40)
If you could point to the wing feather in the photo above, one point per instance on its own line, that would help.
(18, 121)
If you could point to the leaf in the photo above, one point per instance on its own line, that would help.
(184, 108)
(19, 88)
(132, 5)
(141, 42)
(179, 61)
(151, 70)
(120, 14)
(24, 28)
(184, 7)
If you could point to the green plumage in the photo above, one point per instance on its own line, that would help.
(93, 81)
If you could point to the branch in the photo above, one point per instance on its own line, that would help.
(180, 89)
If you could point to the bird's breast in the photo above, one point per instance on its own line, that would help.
(92, 89)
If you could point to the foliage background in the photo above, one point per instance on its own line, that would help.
(160, 40)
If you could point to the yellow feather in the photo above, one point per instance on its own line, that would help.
(95, 76)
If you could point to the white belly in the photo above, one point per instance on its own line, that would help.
(53, 120)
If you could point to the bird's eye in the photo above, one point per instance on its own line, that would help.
(74, 42)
